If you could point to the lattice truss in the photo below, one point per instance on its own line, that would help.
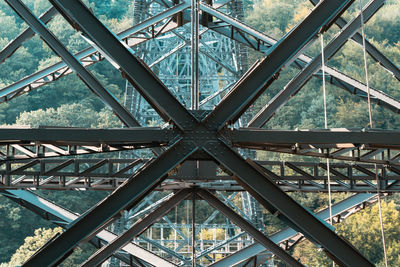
(195, 151)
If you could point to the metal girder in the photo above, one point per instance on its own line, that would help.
(127, 195)
(125, 116)
(371, 49)
(332, 138)
(246, 226)
(258, 41)
(305, 74)
(109, 173)
(165, 249)
(32, 150)
(343, 144)
(149, 86)
(263, 73)
(200, 136)
(106, 251)
(340, 210)
(133, 36)
(137, 136)
(219, 245)
(28, 33)
(352, 153)
(265, 191)
(62, 217)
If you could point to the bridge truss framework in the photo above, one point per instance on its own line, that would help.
(196, 151)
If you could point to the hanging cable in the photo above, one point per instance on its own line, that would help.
(371, 126)
(326, 125)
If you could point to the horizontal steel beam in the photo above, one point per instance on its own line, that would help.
(34, 151)
(259, 138)
(146, 136)
(109, 173)
(349, 153)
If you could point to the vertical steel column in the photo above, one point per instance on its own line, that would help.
(195, 55)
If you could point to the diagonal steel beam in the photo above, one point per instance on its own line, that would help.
(28, 33)
(127, 195)
(357, 201)
(169, 251)
(257, 80)
(371, 49)
(147, 136)
(150, 87)
(106, 251)
(292, 88)
(168, 221)
(62, 217)
(88, 78)
(132, 36)
(214, 214)
(246, 226)
(264, 189)
(259, 138)
(258, 41)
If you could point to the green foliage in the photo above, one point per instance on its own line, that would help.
(16, 223)
(32, 244)
(272, 16)
(41, 237)
(363, 231)
(77, 115)
(382, 25)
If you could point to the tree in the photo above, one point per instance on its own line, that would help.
(41, 237)
(76, 115)
(32, 244)
(16, 223)
(363, 231)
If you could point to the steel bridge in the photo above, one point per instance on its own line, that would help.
(202, 150)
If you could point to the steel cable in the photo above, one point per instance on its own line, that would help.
(371, 126)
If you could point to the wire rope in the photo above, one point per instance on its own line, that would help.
(371, 126)
(326, 125)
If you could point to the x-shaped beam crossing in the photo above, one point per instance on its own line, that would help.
(198, 135)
